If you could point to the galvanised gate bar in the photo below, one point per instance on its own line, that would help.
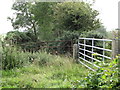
(82, 50)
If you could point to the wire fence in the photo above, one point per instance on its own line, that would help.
(60, 46)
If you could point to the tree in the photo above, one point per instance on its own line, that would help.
(35, 17)
(24, 19)
(46, 18)
(43, 12)
(74, 16)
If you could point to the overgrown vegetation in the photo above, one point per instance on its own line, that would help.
(44, 71)
(105, 77)
(12, 57)
(26, 64)
(46, 21)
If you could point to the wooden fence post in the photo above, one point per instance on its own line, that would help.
(116, 43)
(75, 52)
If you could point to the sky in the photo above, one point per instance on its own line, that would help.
(108, 10)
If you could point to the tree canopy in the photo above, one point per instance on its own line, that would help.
(44, 18)
(76, 16)
(43, 21)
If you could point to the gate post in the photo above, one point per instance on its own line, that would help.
(116, 43)
(75, 52)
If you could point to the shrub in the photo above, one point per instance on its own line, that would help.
(41, 58)
(105, 77)
(67, 39)
(12, 57)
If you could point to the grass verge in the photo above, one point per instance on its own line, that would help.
(58, 72)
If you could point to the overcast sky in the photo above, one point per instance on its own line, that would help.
(108, 10)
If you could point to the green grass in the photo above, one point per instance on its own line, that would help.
(57, 72)
(43, 70)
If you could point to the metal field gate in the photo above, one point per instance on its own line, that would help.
(92, 50)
